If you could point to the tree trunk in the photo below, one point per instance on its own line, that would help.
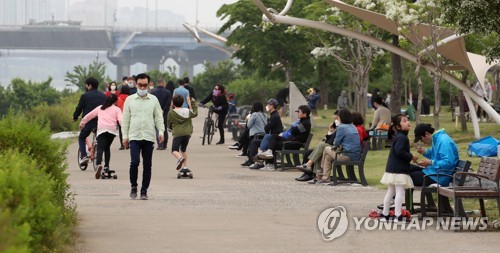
(496, 84)
(419, 93)
(397, 79)
(323, 83)
(436, 79)
(463, 122)
(351, 89)
(288, 74)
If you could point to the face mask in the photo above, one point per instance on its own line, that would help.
(131, 85)
(142, 93)
(113, 87)
(215, 92)
(267, 108)
(151, 87)
(337, 122)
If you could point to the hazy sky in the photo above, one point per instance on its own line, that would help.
(206, 8)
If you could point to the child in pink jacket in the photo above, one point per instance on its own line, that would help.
(109, 115)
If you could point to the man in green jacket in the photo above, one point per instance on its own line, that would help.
(141, 115)
(179, 120)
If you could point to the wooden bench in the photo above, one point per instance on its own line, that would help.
(427, 203)
(378, 137)
(289, 156)
(427, 191)
(338, 175)
(489, 169)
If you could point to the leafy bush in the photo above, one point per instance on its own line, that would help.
(32, 136)
(29, 211)
(58, 116)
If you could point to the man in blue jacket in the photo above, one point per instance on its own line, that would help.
(442, 156)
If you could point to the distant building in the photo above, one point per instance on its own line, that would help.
(21, 12)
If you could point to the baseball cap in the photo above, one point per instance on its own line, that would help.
(273, 102)
(421, 129)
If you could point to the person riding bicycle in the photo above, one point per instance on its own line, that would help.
(88, 102)
(108, 117)
(219, 100)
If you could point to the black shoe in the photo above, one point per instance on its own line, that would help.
(219, 143)
(133, 192)
(234, 146)
(144, 196)
(246, 164)
(304, 168)
(256, 166)
(305, 177)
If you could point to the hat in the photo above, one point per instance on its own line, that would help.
(273, 102)
(421, 129)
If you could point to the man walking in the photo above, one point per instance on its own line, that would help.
(141, 115)
(164, 97)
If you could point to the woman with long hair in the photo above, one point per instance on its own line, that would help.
(219, 100)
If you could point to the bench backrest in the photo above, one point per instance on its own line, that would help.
(365, 146)
(308, 141)
(462, 166)
(490, 168)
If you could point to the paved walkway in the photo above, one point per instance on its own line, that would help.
(226, 208)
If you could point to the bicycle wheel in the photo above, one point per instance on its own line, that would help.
(93, 157)
(210, 130)
(205, 132)
(82, 167)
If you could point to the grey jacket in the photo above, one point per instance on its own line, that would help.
(256, 123)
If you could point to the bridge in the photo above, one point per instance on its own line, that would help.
(124, 47)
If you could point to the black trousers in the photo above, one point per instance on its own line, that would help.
(104, 142)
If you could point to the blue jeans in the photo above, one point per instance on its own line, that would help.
(136, 148)
(265, 142)
(84, 133)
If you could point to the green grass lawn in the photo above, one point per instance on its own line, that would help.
(376, 160)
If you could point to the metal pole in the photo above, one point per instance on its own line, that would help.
(156, 14)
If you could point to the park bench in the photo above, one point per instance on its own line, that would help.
(338, 176)
(427, 203)
(379, 137)
(489, 169)
(289, 156)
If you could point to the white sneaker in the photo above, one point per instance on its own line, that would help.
(268, 167)
(268, 154)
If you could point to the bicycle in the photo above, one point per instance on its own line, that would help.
(91, 152)
(208, 127)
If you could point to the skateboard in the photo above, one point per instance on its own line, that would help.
(184, 173)
(108, 174)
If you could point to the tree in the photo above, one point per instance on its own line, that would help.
(356, 56)
(224, 73)
(409, 18)
(167, 75)
(80, 73)
(26, 95)
(265, 47)
(478, 16)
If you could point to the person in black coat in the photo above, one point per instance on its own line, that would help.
(88, 102)
(219, 100)
(164, 97)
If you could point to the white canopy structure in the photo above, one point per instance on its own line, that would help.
(194, 31)
(451, 47)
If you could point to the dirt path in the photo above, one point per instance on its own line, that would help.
(227, 208)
